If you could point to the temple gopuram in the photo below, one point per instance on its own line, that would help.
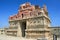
(32, 21)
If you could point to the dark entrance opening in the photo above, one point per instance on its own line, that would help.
(23, 27)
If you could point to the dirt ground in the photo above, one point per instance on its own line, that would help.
(5, 37)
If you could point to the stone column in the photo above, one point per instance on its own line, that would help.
(19, 33)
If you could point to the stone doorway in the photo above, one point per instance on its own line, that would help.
(23, 27)
(56, 37)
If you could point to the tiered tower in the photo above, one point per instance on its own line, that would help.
(32, 21)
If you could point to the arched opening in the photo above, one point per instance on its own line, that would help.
(22, 15)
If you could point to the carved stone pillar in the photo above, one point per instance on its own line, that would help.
(19, 33)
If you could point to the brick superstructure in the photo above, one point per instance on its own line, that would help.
(24, 11)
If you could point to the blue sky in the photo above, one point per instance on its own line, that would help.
(10, 7)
